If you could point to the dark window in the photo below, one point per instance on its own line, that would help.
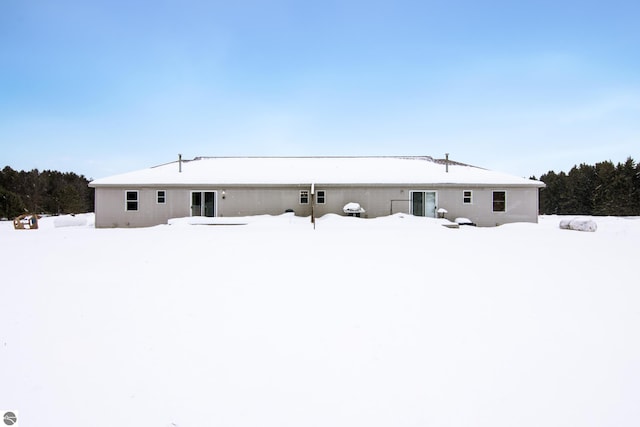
(320, 197)
(161, 197)
(417, 199)
(499, 201)
(304, 197)
(132, 201)
(467, 198)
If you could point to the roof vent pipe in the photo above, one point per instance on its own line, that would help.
(180, 163)
(446, 162)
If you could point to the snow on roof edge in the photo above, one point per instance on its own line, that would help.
(288, 170)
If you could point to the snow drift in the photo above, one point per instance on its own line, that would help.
(360, 322)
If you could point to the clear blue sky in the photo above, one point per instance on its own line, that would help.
(103, 87)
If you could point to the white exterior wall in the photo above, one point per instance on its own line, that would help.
(521, 203)
(245, 201)
(110, 207)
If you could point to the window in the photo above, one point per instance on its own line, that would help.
(304, 197)
(320, 197)
(161, 197)
(467, 197)
(499, 201)
(131, 200)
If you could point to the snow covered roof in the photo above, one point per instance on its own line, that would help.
(308, 170)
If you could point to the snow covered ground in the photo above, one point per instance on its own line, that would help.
(394, 321)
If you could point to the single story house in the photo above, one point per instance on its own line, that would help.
(313, 186)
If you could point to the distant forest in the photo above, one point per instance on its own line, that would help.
(603, 189)
(46, 192)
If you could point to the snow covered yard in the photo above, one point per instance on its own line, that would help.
(393, 321)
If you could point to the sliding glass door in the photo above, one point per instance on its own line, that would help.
(203, 203)
(423, 203)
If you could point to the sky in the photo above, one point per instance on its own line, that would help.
(105, 87)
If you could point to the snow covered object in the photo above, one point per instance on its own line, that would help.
(26, 222)
(578, 224)
(353, 209)
(464, 221)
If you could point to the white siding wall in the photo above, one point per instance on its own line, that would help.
(521, 206)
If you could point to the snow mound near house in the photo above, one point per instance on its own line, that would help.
(71, 220)
(396, 221)
(204, 220)
(264, 220)
(85, 220)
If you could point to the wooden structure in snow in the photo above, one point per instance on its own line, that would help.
(26, 222)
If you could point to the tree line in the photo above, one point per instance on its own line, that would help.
(601, 189)
(46, 192)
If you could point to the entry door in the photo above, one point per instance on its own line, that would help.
(203, 203)
(423, 203)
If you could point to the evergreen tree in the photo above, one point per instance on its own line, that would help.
(11, 204)
(604, 199)
(49, 192)
(581, 184)
(555, 197)
(602, 189)
(624, 188)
